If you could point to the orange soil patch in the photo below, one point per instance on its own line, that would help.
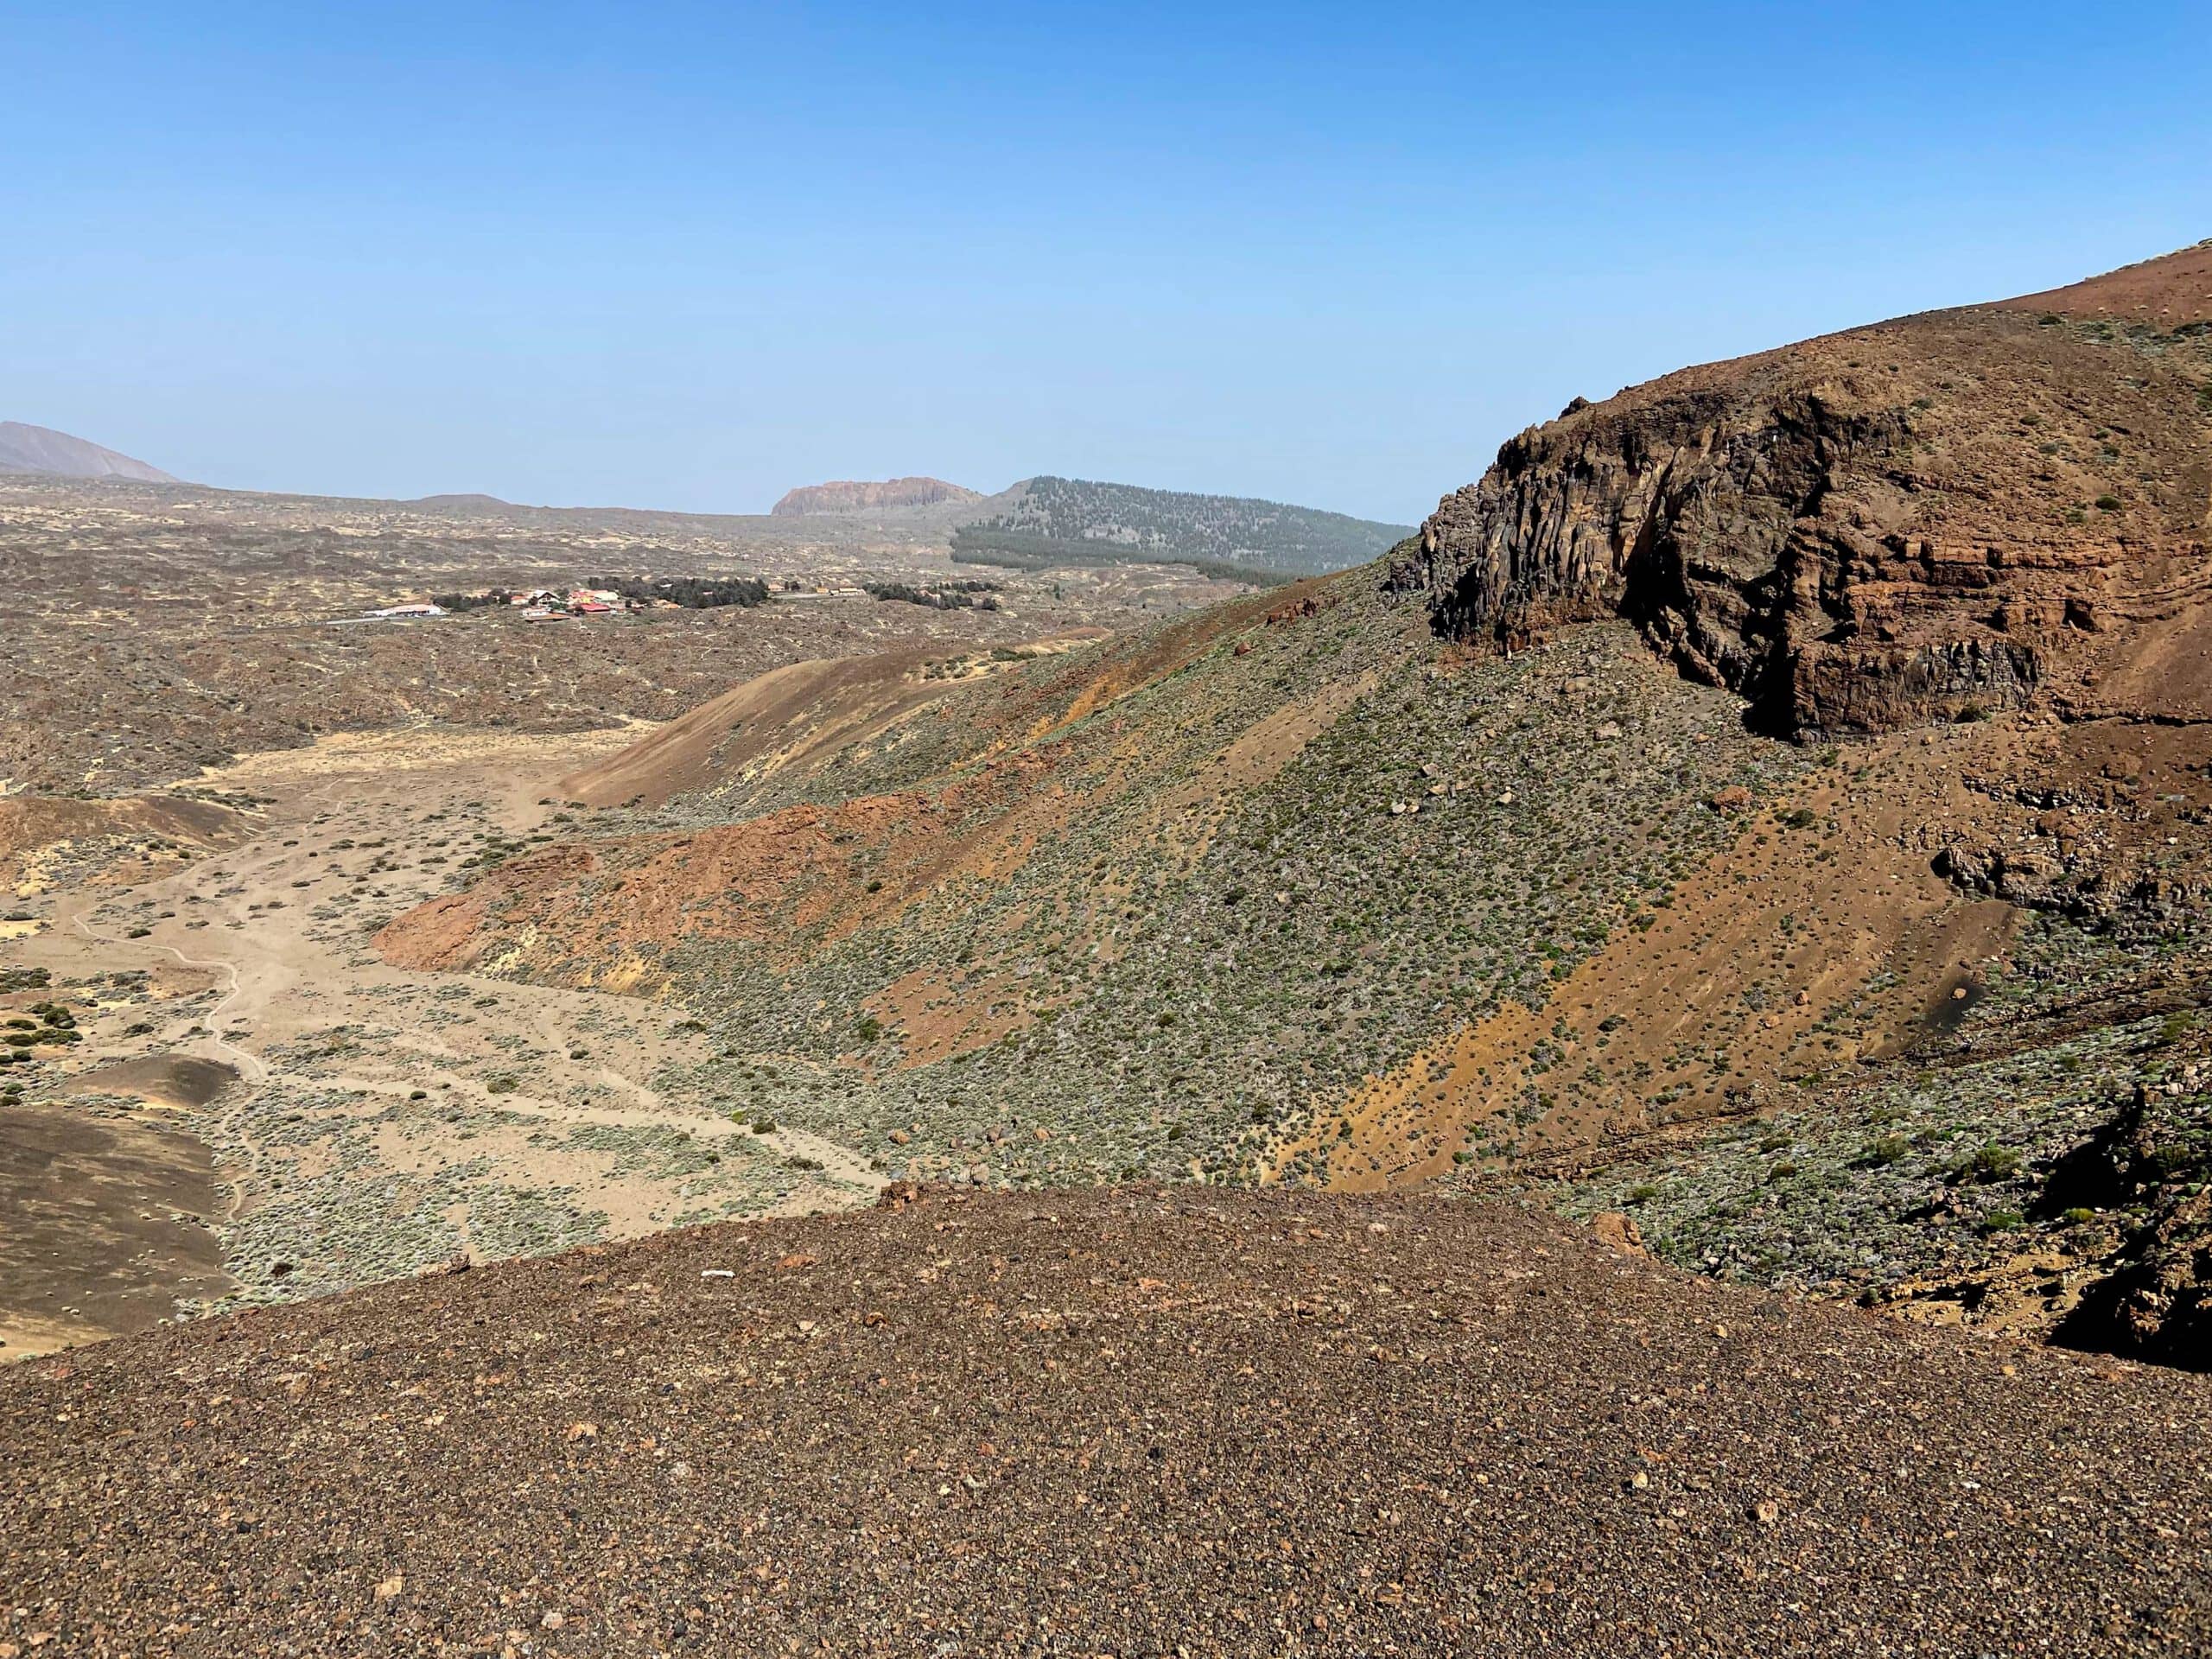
(944, 1013)
(807, 870)
(1719, 999)
(448, 932)
(598, 913)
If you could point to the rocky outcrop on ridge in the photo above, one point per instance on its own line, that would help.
(1924, 520)
(847, 495)
(2149, 1167)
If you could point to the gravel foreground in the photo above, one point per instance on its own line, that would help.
(1130, 1421)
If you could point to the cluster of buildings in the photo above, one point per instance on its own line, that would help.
(543, 605)
(548, 605)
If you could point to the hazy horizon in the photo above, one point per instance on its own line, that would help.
(688, 257)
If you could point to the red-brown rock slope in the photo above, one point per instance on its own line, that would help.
(1968, 509)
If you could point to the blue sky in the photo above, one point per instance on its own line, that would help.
(688, 255)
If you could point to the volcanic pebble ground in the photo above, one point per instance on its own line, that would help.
(1134, 1421)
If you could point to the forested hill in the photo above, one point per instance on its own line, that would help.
(1047, 521)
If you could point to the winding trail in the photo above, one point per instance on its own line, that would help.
(327, 1030)
(251, 1067)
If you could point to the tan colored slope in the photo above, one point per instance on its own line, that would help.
(182, 1083)
(601, 912)
(1765, 952)
(1809, 946)
(799, 716)
(134, 837)
(792, 717)
(1153, 656)
(611, 907)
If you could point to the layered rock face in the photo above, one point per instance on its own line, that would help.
(1920, 520)
(848, 495)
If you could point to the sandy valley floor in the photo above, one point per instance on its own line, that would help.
(261, 1108)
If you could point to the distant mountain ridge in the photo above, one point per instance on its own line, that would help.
(1036, 523)
(1046, 521)
(41, 449)
(850, 495)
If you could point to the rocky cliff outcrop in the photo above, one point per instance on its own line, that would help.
(1919, 520)
(2148, 1168)
(875, 495)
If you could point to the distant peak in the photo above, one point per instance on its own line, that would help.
(465, 500)
(846, 495)
(41, 449)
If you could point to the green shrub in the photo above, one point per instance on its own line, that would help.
(1987, 1163)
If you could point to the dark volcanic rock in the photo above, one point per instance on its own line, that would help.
(1137, 1422)
(1918, 520)
(2152, 1164)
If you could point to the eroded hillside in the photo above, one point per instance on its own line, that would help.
(1142, 909)
(1322, 884)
